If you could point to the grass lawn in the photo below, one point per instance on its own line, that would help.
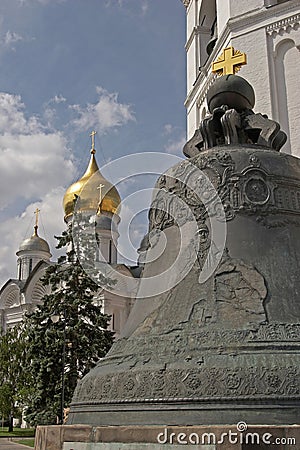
(28, 442)
(17, 432)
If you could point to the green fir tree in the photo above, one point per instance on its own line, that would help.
(68, 333)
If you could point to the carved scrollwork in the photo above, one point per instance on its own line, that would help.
(185, 192)
(257, 191)
(229, 127)
(210, 337)
(193, 190)
(213, 383)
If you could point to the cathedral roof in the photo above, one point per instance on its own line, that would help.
(13, 282)
(34, 243)
(85, 192)
(36, 273)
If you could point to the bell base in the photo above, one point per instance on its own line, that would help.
(182, 412)
(215, 437)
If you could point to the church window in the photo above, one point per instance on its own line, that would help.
(20, 270)
(112, 322)
(207, 29)
(30, 265)
(109, 252)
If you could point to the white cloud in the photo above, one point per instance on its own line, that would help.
(32, 165)
(32, 160)
(106, 114)
(145, 7)
(140, 6)
(43, 2)
(12, 117)
(49, 116)
(58, 99)
(114, 2)
(168, 128)
(11, 37)
(36, 164)
(15, 229)
(175, 147)
(50, 110)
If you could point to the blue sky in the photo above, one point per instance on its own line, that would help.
(70, 66)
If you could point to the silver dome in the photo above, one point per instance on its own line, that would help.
(34, 243)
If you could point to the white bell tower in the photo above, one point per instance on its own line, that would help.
(268, 31)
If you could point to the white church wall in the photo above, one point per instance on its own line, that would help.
(28, 261)
(292, 61)
(35, 290)
(244, 6)
(284, 61)
(192, 66)
(271, 38)
(118, 307)
(256, 72)
(10, 306)
(191, 18)
(223, 11)
(193, 118)
(10, 296)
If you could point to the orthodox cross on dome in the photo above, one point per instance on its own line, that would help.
(36, 212)
(229, 62)
(92, 135)
(100, 197)
(100, 192)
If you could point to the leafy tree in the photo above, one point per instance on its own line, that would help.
(68, 332)
(15, 379)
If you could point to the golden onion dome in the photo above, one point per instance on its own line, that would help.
(88, 190)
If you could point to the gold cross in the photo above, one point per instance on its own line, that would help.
(100, 192)
(229, 62)
(92, 135)
(36, 212)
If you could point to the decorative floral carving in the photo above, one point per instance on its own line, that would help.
(213, 383)
(130, 384)
(273, 382)
(251, 191)
(106, 387)
(233, 380)
(194, 383)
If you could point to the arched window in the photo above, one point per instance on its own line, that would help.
(109, 252)
(112, 322)
(20, 270)
(207, 29)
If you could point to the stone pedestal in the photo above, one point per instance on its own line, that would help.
(229, 437)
